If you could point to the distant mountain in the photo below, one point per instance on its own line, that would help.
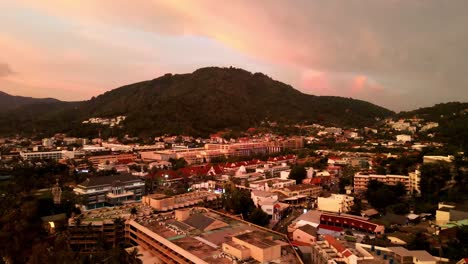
(10, 102)
(205, 101)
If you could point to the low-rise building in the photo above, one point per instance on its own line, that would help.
(271, 184)
(338, 203)
(435, 159)
(450, 212)
(305, 234)
(110, 190)
(200, 235)
(306, 190)
(403, 138)
(162, 202)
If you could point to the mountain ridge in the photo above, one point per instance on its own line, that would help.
(204, 101)
(10, 102)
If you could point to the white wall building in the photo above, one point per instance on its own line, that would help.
(338, 203)
(403, 138)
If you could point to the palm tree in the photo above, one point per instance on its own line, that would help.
(133, 211)
(134, 256)
(118, 230)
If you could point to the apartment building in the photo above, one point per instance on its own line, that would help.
(110, 190)
(305, 190)
(362, 180)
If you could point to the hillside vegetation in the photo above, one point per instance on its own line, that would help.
(205, 101)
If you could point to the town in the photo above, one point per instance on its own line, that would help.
(271, 194)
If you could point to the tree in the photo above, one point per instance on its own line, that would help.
(434, 177)
(321, 164)
(259, 217)
(298, 173)
(356, 208)
(381, 195)
(178, 163)
(134, 211)
(134, 256)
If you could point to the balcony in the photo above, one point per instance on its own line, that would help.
(124, 194)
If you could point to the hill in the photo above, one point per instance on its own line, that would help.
(10, 102)
(205, 101)
(453, 122)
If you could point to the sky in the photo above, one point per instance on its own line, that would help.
(400, 54)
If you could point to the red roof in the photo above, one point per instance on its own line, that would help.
(332, 228)
(334, 243)
(349, 221)
(282, 158)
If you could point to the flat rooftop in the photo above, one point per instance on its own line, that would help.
(204, 232)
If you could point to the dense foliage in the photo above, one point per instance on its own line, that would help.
(298, 173)
(205, 101)
(453, 122)
(381, 195)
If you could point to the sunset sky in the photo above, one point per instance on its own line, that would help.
(401, 54)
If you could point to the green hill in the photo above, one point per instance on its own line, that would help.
(207, 100)
(453, 122)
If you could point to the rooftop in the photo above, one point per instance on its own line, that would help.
(193, 235)
(107, 180)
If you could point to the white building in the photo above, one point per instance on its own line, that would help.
(338, 203)
(415, 181)
(48, 142)
(403, 138)
(429, 125)
(54, 155)
(435, 159)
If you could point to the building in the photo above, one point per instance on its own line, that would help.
(271, 184)
(415, 182)
(329, 250)
(397, 255)
(117, 158)
(305, 234)
(273, 170)
(99, 225)
(110, 190)
(435, 159)
(362, 180)
(450, 212)
(199, 235)
(48, 142)
(306, 190)
(268, 202)
(53, 155)
(403, 138)
(161, 202)
(338, 203)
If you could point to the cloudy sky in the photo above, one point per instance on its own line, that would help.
(401, 54)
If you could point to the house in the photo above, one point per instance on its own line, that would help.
(306, 234)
